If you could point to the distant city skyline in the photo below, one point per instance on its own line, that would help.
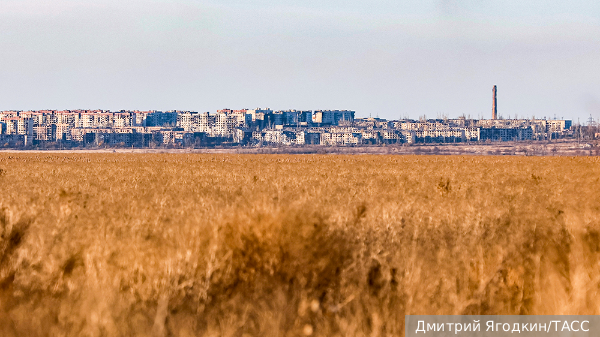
(258, 127)
(381, 58)
(425, 116)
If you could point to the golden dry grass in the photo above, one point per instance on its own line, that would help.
(258, 245)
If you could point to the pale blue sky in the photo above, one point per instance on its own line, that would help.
(386, 58)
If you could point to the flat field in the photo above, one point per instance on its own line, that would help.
(290, 245)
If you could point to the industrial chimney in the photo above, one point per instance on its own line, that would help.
(494, 104)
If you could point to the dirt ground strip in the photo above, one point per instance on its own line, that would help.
(532, 148)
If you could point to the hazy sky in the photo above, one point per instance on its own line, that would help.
(389, 58)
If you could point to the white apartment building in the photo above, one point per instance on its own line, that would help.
(43, 132)
(205, 122)
(224, 125)
(185, 120)
(65, 118)
(122, 120)
(86, 120)
(340, 138)
(258, 114)
(63, 131)
(25, 126)
(332, 117)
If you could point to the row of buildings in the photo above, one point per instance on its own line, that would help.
(255, 127)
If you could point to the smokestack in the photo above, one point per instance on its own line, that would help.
(494, 104)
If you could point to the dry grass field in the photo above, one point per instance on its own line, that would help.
(290, 245)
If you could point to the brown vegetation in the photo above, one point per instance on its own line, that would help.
(278, 245)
